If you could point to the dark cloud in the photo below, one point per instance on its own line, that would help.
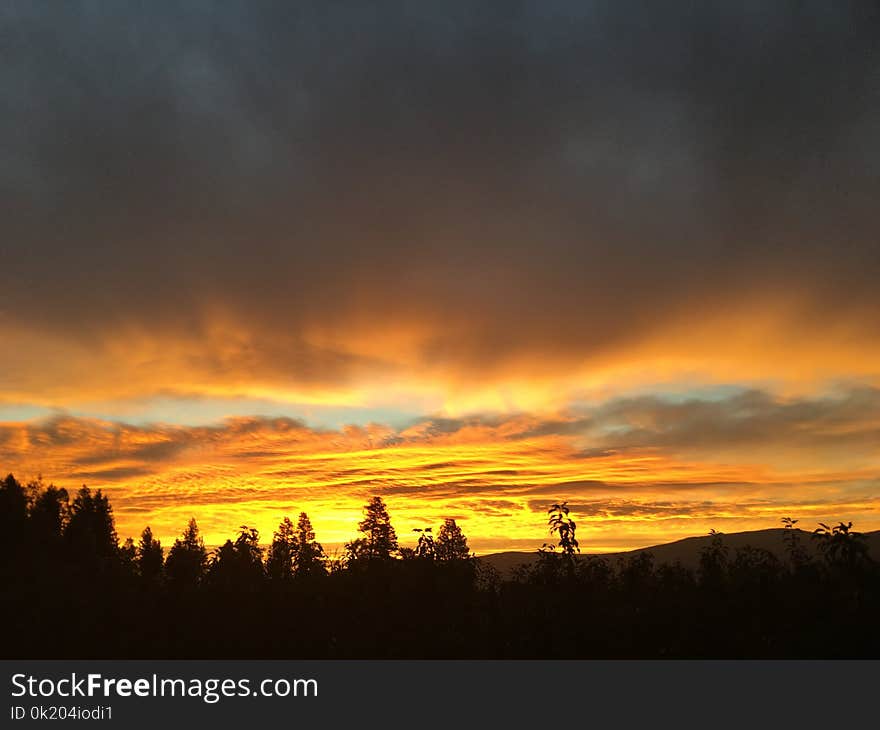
(119, 472)
(553, 175)
(849, 420)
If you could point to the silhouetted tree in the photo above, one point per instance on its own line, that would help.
(239, 564)
(841, 546)
(564, 526)
(308, 557)
(185, 565)
(425, 548)
(279, 561)
(451, 543)
(91, 532)
(150, 557)
(49, 514)
(796, 553)
(247, 544)
(356, 552)
(713, 561)
(13, 502)
(13, 523)
(379, 541)
(128, 556)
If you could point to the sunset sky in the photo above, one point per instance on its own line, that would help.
(260, 258)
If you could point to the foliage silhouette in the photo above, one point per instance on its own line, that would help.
(451, 544)
(564, 526)
(49, 511)
(237, 565)
(308, 556)
(150, 558)
(279, 561)
(713, 561)
(841, 546)
(187, 559)
(90, 532)
(123, 602)
(13, 504)
(379, 541)
(426, 548)
(796, 553)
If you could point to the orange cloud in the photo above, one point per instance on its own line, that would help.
(638, 470)
(456, 362)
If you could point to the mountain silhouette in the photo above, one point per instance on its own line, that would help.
(685, 551)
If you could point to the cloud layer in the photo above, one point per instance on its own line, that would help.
(637, 469)
(324, 200)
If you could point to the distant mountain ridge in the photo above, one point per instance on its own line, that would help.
(687, 550)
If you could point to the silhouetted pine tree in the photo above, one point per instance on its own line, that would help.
(451, 544)
(90, 532)
(239, 564)
(379, 541)
(13, 525)
(150, 558)
(48, 516)
(279, 562)
(128, 557)
(13, 504)
(187, 559)
(308, 557)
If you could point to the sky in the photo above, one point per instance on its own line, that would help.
(475, 258)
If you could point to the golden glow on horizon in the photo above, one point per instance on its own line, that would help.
(495, 476)
(497, 480)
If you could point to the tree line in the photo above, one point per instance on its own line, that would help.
(71, 589)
